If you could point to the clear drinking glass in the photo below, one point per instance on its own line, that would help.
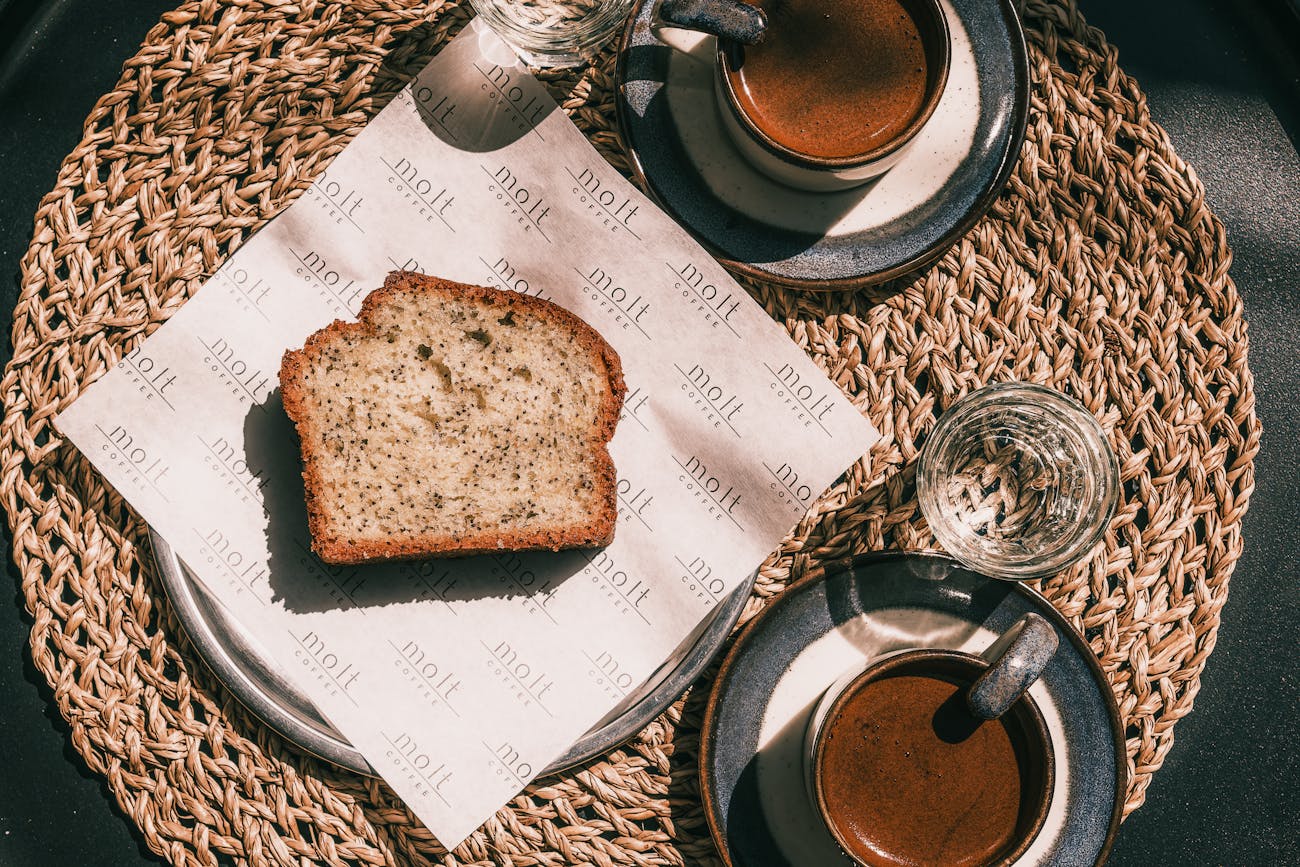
(1017, 481)
(554, 33)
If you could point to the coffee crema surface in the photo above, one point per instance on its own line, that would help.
(832, 79)
(911, 777)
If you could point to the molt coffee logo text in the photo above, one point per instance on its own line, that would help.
(626, 593)
(507, 762)
(324, 666)
(787, 488)
(426, 199)
(698, 578)
(336, 290)
(434, 582)
(718, 405)
(245, 382)
(434, 682)
(714, 306)
(626, 308)
(340, 583)
(607, 673)
(808, 405)
(433, 107)
(525, 109)
(527, 684)
(248, 573)
(634, 406)
(407, 756)
(227, 461)
(339, 201)
(709, 490)
(132, 458)
(504, 275)
(636, 501)
(521, 199)
(151, 378)
(250, 291)
(611, 209)
(534, 592)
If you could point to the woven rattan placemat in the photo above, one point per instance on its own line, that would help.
(1099, 271)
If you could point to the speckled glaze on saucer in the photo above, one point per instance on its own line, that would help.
(680, 152)
(752, 745)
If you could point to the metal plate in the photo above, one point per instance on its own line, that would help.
(240, 662)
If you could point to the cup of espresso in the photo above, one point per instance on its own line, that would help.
(821, 95)
(936, 756)
(836, 89)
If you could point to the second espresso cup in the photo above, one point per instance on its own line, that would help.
(836, 90)
(936, 756)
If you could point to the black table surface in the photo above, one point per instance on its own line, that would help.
(1222, 77)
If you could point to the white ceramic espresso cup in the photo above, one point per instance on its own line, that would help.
(999, 680)
(774, 159)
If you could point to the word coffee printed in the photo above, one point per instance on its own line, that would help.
(460, 680)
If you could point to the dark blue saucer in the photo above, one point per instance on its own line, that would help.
(904, 221)
(751, 767)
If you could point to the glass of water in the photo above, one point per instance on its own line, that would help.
(1017, 481)
(554, 33)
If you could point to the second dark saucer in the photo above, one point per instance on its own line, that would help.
(752, 743)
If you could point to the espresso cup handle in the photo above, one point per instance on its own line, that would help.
(1015, 659)
(734, 20)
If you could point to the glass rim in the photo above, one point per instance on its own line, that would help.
(560, 38)
(1086, 533)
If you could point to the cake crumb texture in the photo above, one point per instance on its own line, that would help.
(454, 419)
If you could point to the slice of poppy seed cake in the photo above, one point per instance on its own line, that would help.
(454, 419)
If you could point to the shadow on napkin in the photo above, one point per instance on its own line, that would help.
(478, 97)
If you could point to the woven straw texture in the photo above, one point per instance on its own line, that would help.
(1099, 271)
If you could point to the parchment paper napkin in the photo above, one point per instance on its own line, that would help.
(459, 680)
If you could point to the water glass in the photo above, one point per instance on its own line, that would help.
(1017, 481)
(554, 33)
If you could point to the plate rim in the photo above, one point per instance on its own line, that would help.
(832, 567)
(1019, 121)
(337, 750)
